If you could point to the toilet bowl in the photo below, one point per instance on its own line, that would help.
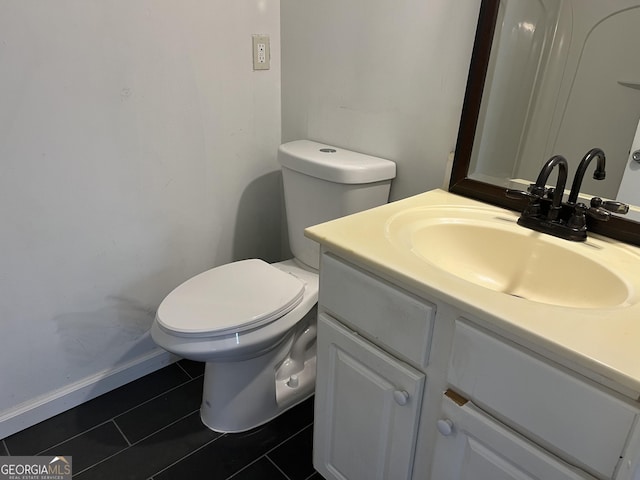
(241, 390)
(253, 323)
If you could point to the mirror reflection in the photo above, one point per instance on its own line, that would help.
(563, 77)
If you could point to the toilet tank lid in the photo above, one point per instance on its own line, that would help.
(334, 164)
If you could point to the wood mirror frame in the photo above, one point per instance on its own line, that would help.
(617, 227)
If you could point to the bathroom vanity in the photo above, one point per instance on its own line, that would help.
(454, 344)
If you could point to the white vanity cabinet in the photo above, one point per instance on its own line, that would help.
(368, 397)
(409, 388)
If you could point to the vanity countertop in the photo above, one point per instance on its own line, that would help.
(602, 343)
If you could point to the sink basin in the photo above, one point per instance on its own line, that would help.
(489, 249)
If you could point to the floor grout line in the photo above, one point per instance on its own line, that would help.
(188, 455)
(184, 370)
(266, 454)
(282, 443)
(121, 432)
(166, 426)
(186, 381)
(74, 436)
(114, 417)
(99, 462)
(289, 438)
(230, 477)
(154, 398)
(133, 444)
(276, 465)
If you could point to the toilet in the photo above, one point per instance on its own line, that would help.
(254, 323)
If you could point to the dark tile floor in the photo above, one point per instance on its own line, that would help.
(151, 429)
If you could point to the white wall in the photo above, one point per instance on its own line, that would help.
(603, 52)
(379, 76)
(137, 147)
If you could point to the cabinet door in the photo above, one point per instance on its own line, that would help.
(473, 446)
(367, 408)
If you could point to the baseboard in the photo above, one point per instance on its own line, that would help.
(34, 411)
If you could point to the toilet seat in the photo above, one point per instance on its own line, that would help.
(230, 299)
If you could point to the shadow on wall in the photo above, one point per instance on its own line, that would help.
(261, 230)
(87, 336)
(118, 328)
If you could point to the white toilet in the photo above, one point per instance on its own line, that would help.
(254, 323)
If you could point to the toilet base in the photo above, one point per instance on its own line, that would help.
(241, 395)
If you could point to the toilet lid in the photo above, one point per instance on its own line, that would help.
(230, 298)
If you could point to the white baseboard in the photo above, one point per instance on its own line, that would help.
(34, 411)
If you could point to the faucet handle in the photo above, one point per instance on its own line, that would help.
(534, 195)
(578, 220)
(533, 192)
(519, 194)
(599, 214)
(609, 205)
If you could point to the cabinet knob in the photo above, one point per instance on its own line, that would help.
(445, 427)
(401, 397)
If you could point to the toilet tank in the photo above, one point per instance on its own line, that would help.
(322, 183)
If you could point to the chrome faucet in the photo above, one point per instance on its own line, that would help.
(546, 211)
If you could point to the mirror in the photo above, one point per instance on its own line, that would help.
(552, 77)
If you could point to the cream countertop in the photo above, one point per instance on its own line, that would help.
(600, 343)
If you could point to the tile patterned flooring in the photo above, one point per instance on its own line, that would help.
(151, 429)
